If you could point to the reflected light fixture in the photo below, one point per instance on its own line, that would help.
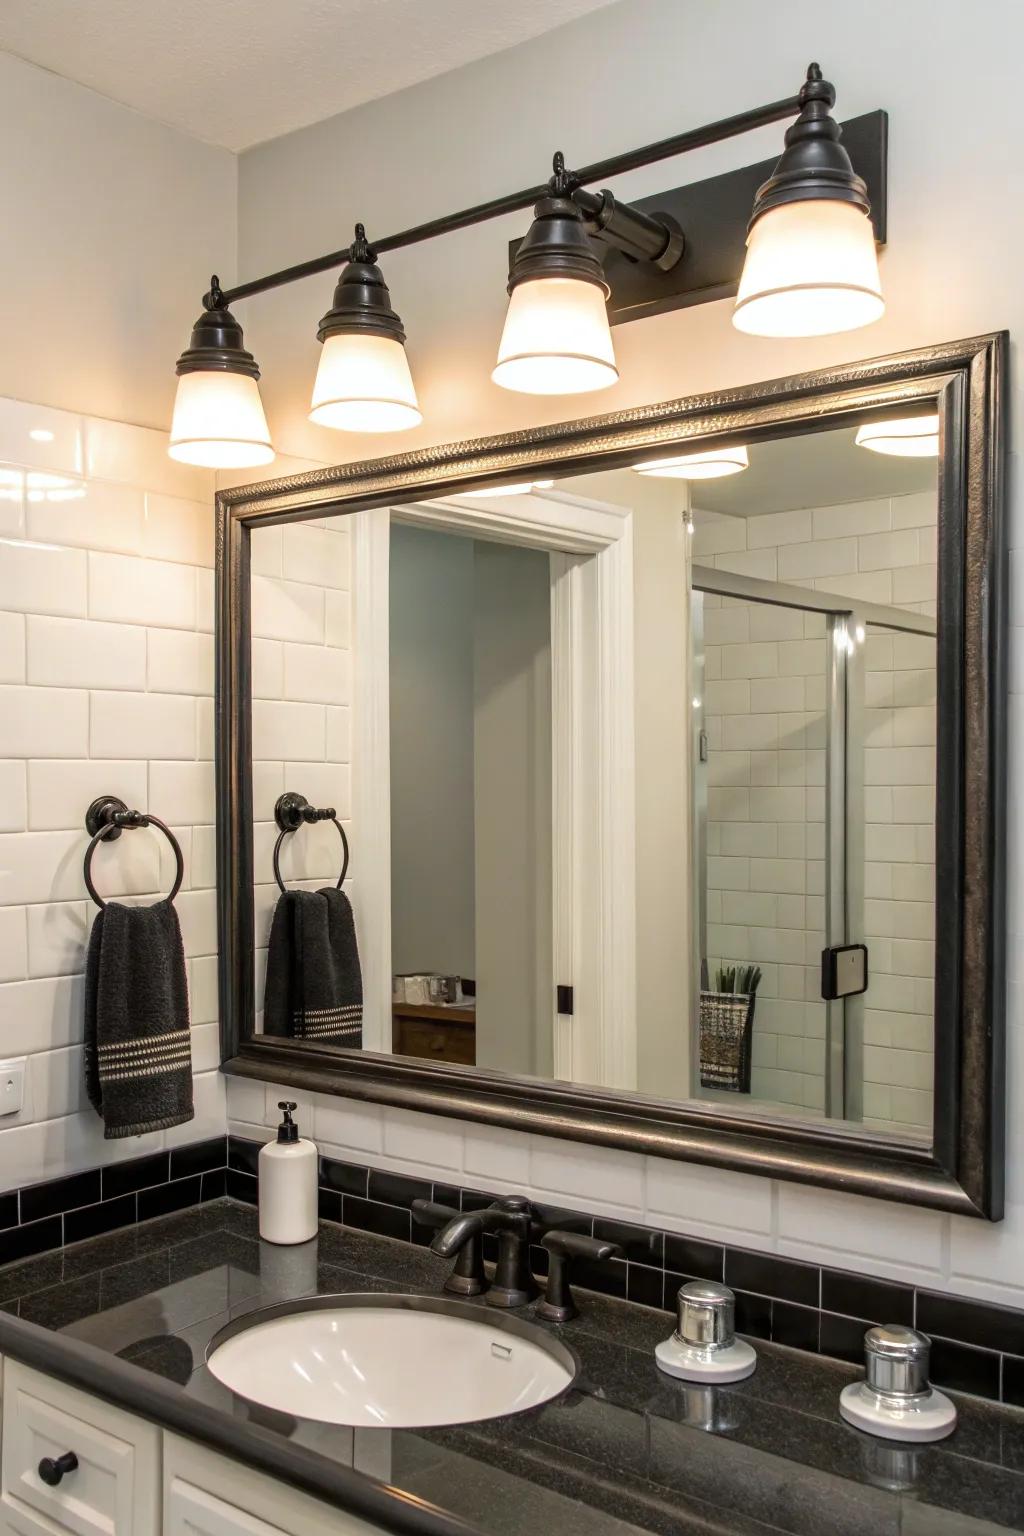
(521, 488)
(710, 465)
(218, 417)
(811, 267)
(909, 437)
(556, 340)
(363, 382)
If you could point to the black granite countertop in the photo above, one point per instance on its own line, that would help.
(625, 1449)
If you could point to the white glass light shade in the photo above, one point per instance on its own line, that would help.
(811, 269)
(915, 437)
(363, 384)
(696, 466)
(556, 340)
(219, 421)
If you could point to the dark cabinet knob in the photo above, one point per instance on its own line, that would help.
(52, 1470)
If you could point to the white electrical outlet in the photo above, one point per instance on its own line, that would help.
(12, 1086)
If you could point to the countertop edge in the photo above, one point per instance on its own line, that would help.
(126, 1386)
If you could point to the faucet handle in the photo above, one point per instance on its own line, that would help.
(557, 1305)
(467, 1277)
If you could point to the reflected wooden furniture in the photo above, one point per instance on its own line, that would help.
(435, 1032)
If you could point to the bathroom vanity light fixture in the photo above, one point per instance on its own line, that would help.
(910, 437)
(587, 262)
(218, 419)
(363, 382)
(710, 465)
(811, 266)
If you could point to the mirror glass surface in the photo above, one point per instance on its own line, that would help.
(723, 690)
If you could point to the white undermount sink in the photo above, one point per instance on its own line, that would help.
(397, 1362)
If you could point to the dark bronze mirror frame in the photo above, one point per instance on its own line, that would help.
(963, 1170)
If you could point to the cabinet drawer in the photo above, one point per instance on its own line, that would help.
(115, 1488)
(192, 1511)
(206, 1494)
(439, 1042)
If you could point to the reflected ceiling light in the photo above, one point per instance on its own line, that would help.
(41, 435)
(218, 419)
(556, 340)
(363, 382)
(711, 465)
(36, 485)
(523, 488)
(811, 267)
(912, 437)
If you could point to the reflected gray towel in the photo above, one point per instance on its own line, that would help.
(138, 1053)
(314, 981)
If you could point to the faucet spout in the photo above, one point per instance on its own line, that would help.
(457, 1233)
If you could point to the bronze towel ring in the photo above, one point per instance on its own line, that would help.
(290, 811)
(108, 817)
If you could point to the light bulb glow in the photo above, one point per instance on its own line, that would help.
(811, 270)
(363, 384)
(556, 340)
(912, 437)
(219, 421)
(710, 465)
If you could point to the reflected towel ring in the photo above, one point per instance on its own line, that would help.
(290, 811)
(108, 817)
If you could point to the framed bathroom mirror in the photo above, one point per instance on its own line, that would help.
(659, 756)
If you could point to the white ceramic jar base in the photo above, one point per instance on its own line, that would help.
(734, 1362)
(929, 1417)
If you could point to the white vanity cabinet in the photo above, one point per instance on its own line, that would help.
(205, 1494)
(132, 1478)
(115, 1486)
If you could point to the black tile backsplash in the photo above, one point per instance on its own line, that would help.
(861, 1296)
(964, 1369)
(199, 1157)
(768, 1276)
(977, 1347)
(971, 1322)
(59, 1195)
(693, 1258)
(398, 1189)
(638, 1244)
(94, 1220)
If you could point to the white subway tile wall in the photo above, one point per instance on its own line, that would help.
(764, 713)
(301, 712)
(106, 544)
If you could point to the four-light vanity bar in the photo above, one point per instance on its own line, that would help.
(810, 269)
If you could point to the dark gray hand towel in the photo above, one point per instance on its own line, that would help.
(138, 1053)
(314, 981)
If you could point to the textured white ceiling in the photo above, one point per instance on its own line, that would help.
(236, 72)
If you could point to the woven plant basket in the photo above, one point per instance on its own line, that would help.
(726, 1028)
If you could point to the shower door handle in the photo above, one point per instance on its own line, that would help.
(844, 971)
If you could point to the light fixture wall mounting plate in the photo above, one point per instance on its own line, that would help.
(714, 215)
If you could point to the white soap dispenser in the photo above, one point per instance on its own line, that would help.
(288, 1185)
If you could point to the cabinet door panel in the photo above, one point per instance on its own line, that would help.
(115, 1488)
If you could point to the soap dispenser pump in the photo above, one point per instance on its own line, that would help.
(288, 1184)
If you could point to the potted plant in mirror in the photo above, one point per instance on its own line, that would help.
(726, 1028)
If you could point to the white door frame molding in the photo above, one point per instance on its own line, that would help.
(593, 767)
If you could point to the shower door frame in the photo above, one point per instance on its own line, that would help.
(844, 872)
